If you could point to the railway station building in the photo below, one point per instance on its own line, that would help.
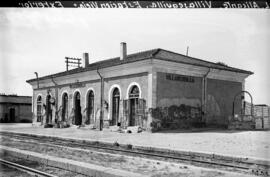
(15, 109)
(153, 89)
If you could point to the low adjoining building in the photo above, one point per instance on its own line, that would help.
(15, 108)
(151, 89)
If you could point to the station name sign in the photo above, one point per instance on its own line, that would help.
(177, 77)
(77, 85)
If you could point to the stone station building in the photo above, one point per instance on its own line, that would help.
(151, 89)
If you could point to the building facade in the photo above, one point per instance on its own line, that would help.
(15, 109)
(151, 89)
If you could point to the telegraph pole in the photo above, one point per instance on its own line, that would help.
(75, 62)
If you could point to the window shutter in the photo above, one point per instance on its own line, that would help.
(125, 113)
(125, 106)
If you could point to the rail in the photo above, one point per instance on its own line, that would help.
(214, 161)
(25, 169)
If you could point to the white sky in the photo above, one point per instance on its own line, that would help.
(39, 39)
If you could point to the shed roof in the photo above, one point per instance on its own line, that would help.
(154, 53)
(15, 99)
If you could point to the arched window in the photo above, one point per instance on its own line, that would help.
(115, 106)
(90, 106)
(39, 108)
(64, 106)
(134, 93)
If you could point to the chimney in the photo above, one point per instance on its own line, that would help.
(85, 59)
(123, 51)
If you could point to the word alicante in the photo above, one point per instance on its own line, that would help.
(244, 4)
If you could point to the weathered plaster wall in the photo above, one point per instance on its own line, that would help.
(43, 94)
(172, 92)
(178, 102)
(123, 82)
(22, 112)
(4, 112)
(220, 95)
(25, 112)
(84, 91)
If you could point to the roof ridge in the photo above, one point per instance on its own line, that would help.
(206, 61)
(137, 56)
(155, 51)
(145, 51)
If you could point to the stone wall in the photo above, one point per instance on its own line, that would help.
(174, 92)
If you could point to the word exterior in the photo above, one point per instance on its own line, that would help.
(41, 4)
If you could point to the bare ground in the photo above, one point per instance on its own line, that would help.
(135, 164)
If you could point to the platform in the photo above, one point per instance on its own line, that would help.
(246, 144)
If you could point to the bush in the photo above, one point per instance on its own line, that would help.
(155, 125)
(48, 126)
(116, 144)
(129, 146)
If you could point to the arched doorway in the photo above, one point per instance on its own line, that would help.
(39, 108)
(77, 106)
(134, 99)
(90, 107)
(48, 109)
(115, 106)
(64, 107)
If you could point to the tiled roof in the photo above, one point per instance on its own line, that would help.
(198, 62)
(154, 53)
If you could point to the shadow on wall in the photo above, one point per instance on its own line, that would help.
(176, 117)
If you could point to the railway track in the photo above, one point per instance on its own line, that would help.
(26, 169)
(197, 159)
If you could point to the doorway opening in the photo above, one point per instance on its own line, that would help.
(133, 106)
(78, 114)
(115, 106)
(64, 107)
(90, 107)
(48, 110)
(12, 115)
